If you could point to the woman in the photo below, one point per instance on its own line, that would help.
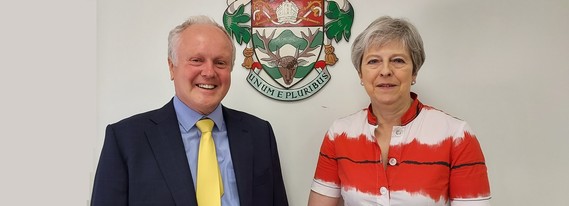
(397, 151)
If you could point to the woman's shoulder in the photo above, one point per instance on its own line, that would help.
(350, 122)
(352, 125)
(435, 118)
(357, 116)
(439, 114)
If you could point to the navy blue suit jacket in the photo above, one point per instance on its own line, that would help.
(143, 162)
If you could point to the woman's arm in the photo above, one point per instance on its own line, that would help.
(315, 199)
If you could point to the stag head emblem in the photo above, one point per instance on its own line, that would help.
(287, 64)
(288, 43)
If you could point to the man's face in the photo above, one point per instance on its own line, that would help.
(202, 70)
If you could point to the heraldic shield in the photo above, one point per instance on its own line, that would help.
(286, 50)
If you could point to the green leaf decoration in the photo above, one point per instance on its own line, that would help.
(288, 37)
(341, 22)
(272, 71)
(233, 25)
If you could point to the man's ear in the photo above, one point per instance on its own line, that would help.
(171, 68)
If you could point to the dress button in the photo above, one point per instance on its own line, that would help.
(392, 161)
(383, 190)
(398, 132)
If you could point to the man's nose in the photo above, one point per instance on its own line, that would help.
(208, 69)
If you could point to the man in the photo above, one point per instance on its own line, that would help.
(152, 158)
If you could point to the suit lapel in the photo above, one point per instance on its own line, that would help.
(166, 143)
(241, 145)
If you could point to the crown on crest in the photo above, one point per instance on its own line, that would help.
(287, 12)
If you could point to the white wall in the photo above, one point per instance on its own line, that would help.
(497, 64)
(47, 101)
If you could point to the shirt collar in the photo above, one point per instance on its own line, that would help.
(188, 117)
(409, 116)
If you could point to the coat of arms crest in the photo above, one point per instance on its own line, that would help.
(286, 39)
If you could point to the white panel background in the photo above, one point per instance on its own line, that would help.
(48, 101)
(69, 68)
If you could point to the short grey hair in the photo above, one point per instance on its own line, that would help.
(174, 36)
(386, 29)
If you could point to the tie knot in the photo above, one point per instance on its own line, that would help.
(205, 125)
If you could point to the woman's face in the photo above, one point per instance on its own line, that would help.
(387, 73)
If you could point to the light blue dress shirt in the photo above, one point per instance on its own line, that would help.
(187, 119)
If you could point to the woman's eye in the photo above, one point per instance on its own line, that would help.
(373, 61)
(399, 61)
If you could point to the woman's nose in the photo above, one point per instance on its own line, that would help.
(386, 70)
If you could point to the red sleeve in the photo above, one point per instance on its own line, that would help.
(468, 177)
(327, 167)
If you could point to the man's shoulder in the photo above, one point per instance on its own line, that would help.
(152, 116)
(232, 114)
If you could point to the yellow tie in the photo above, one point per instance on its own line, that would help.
(209, 184)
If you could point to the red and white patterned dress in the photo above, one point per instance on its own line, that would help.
(434, 159)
